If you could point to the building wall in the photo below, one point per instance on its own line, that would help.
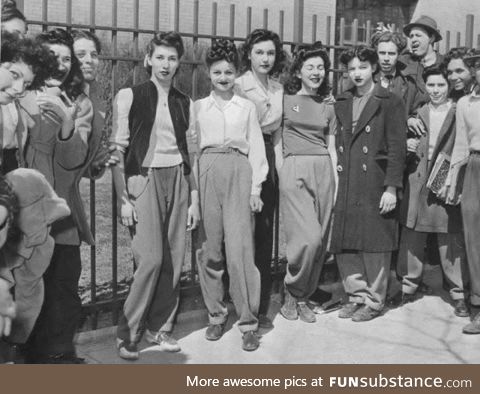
(451, 16)
(81, 11)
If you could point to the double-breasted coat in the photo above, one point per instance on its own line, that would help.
(420, 209)
(369, 159)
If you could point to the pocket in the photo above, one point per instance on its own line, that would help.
(136, 185)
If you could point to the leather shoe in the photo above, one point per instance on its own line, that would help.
(289, 307)
(461, 308)
(264, 321)
(365, 313)
(214, 332)
(250, 341)
(474, 326)
(305, 313)
(348, 310)
(400, 299)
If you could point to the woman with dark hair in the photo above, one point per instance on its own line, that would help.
(13, 20)
(423, 210)
(370, 142)
(24, 66)
(458, 72)
(59, 126)
(262, 58)
(232, 168)
(153, 130)
(307, 179)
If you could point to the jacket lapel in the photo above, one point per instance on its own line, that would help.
(444, 135)
(373, 104)
(343, 111)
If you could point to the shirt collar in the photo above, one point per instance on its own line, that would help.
(160, 89)
(250, 82)
(235, 100)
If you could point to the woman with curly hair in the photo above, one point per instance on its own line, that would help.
(262, 59)
(371, 148)
(307, 179)
(59, 125)
(13, 20)
(232, 168)
(24, 66)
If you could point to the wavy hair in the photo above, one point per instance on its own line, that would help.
(302, 53)
(167, 39)
(222, 50)
(362, 52)
(88, 35)
(261, 35)
(387, 36)
(74, 83)
(10, 11)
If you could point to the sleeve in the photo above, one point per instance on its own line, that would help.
(396, 141)
(72, 152)
(121, 108)
(256, 154)
(332, 120)
(192, 139)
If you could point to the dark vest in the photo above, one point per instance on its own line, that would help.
(141, 119)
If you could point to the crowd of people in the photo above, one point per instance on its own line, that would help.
(384, 176)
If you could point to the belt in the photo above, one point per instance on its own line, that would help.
(222, 149)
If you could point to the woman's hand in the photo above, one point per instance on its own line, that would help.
(62, 108)
(388, 202)
(128, 215)
(107, 158)
(412, 144)
(256, 203)
(193, 217)
(7, 309)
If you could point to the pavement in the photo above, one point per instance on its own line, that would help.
(425, 331)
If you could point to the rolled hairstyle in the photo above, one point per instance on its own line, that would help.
(10, 11)
(362, 52)
(167, 39)
(302, 53)
(74, 83)
(222, 50)
(260, 35)
(41, 60)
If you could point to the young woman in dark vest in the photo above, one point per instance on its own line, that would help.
(152, 123)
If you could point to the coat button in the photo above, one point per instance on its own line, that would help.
(339, 168)
(367, 129)
(364, 167)
(340, 149)
(365, 150)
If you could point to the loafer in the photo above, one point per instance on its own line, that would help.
(289, 307)
(305, 313)
(365, 313)
(214, 332)
(264, 321)
(348, 310)
(400, 299)
(163, 340)
(250, 341)
(127, 350)
(461, 308)
(473, 327)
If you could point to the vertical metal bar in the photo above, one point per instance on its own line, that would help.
(156, 16)
(92, 14)
(265, 18)
(232, 20)
(136, 19)
(114, 194)
(368, 32)
(298, 9)
(355, 32)
(469, 31)
(459, 39)
(68, 4)
(342, 32)
(249, 20)
(478, 41)
(314, 28)
(328, 32)
(281, 24)
(447, 40)
(214, 19)
(20, 6)
(44, 15)
(176, 25)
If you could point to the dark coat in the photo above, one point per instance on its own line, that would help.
(414, 68)
(420, 209)
(368, 160)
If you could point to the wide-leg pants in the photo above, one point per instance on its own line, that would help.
(225, 188)
(412, 255)
(471, 223)
(158, 246)
(365, 276)
(307, 188)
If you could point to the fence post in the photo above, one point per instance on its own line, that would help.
(459, 39)
(469, 31)
(314, 28)
(249, 20)
(281, 21)
(447, 40)
(298, 9)
(265, 18)
(232, 20)
(342, 32)
(214, 19)
(355, 32)
(368, 32)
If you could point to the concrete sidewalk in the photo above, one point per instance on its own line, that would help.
(423, 332)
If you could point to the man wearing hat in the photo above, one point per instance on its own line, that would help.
(467, 148)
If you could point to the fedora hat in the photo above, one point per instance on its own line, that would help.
(473, 55)
(426, 23)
